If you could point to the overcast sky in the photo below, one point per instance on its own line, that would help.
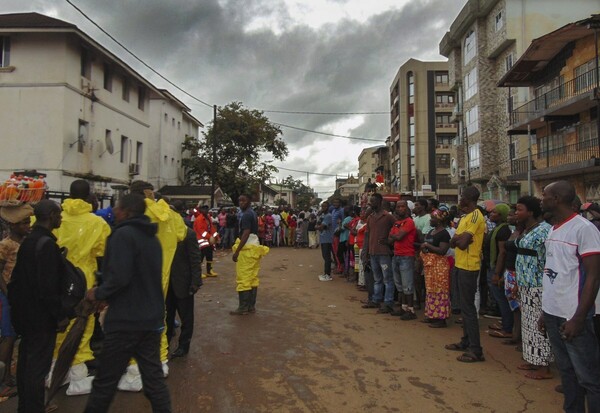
(291, 55)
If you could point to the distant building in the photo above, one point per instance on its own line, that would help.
(71, 109)
(561, 70)
(192, 195)
(483, 42)
(421, 105)
(368, 161)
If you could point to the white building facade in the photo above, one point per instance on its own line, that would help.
(72, 110)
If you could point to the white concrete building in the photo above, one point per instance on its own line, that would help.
(72, 109)
(368, 161)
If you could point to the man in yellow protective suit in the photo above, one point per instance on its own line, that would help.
(84, 235)
(171, 230)
(247, 255)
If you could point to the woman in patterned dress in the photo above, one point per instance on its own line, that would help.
(531, 256)
(437, 270)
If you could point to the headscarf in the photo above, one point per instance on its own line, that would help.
(503, 210)
(441, 215)
(16, 214)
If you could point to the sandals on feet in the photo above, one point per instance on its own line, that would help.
(539, 375)
(455, 347)
(528, 367)
(500, 334)
(470, 358)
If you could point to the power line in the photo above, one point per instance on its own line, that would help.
(312, 173)
(327, 134)
(322, 113)
(135, 56)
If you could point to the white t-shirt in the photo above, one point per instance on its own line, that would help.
(564, 274)
(276, 219)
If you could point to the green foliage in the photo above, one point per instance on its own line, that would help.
(239, 136)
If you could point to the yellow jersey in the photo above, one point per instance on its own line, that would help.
(470, 258)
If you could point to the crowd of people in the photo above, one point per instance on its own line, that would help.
(141, 265)
(532, 266)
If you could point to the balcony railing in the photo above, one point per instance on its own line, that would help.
(449, 105)
(562, 93)
(564, 155)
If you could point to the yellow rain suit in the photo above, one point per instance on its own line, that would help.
(84, 235)
(248, 263)
(171, 230)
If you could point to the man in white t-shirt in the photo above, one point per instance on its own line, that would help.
(570, 285)
(276, 233)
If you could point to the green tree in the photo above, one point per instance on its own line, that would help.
(238, 137)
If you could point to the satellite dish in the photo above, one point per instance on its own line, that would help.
(109, 144)
(82, 134)
(453, 167)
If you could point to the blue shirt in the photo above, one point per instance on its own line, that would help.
(337, 216)
(326, 235)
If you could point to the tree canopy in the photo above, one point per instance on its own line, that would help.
(238, 137)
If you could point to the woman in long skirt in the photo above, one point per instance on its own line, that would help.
(531, 256)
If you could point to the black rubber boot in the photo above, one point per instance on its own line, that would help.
(244, 297)
(252, 303)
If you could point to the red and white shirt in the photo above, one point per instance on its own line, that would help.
(564, 274)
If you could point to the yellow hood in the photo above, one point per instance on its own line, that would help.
(157, 211)
(76, 207)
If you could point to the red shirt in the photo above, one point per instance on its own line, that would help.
(351, 225)
(360, 235)
(406, 246)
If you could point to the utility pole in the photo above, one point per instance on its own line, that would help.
(214, 158)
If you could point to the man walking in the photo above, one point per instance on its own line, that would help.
(84, 235)
(205, 230)
(468, 242)
(570, 284)
(132, 287)
(184, 282)
(379, 224)
(34, 294)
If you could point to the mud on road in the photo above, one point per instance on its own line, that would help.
(312, 348)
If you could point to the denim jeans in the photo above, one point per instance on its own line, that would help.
(381, 265)
(228, 238)
(578, 362)
(403, 268)
(467, 286)
(498, 294)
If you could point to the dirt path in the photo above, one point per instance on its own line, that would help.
(312, 348)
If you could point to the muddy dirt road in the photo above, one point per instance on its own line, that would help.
(312, 348)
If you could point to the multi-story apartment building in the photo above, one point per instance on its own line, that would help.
(421, 105)
(483, 42)
(71, 109)
(561, 70)
(368, 161)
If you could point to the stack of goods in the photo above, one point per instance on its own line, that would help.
(19, 189)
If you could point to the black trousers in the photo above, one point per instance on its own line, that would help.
(326, 253)
(208, 254)
(185, 308)
(35, 359)
(118, 348)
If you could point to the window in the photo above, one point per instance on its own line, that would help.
(82, 135)
(444, 139)
(444, 98)
(86, 63)
(166, 117)
(441, 78)
(471, 84)
(178, 125)
(124, 146)
(474, 156)
(4, 51)
(499, 20)
(508, 61)
(442, 160)
(587, 135)
(125, 94)
(442, 119)
(173, 122)
(470, 49)
(512, 150)
(107, 77)
(139, 151)
(141, 97)
(584, 76)
(472, 120)
(411, 87)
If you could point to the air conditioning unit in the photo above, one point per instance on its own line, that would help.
(462, 173)
(134, 169)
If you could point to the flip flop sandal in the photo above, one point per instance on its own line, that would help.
(499, 334)
(455, 347)
(470, 358)
(528, 367)
(495, 326)
(542, 376)
(8, 392)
